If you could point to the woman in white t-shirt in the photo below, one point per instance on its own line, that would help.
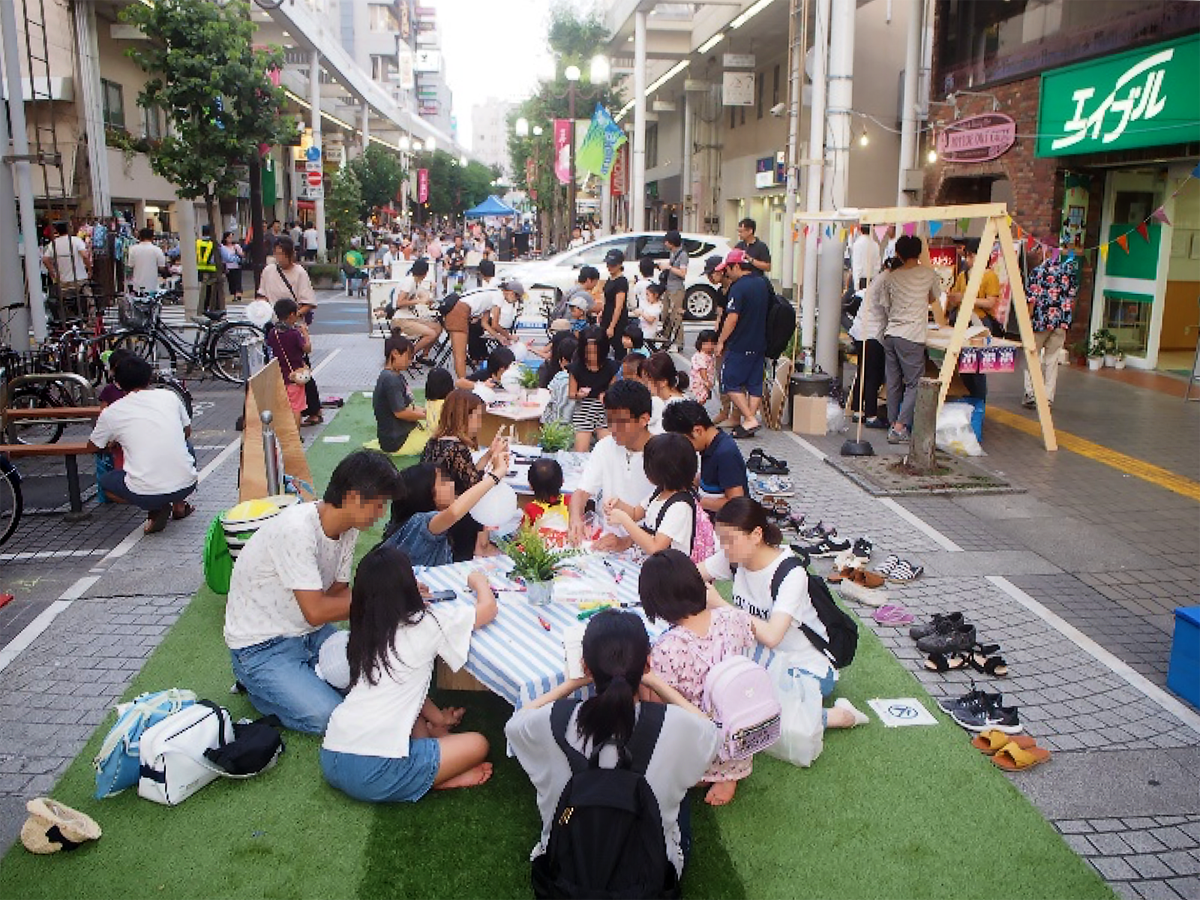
(387, 742)
(658, 523)
(751, 542)
(410, 312)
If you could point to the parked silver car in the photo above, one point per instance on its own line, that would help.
(550, 278)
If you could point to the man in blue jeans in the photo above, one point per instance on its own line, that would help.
(743, 341)
(291, 580)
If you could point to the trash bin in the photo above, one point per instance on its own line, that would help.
(818, 384)
(241, 522)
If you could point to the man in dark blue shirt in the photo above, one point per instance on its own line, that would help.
(743, 341)
(722, 466)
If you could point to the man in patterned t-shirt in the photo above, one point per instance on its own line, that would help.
(1051, 291)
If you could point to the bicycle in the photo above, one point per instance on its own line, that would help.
(11, 502)
(216, 347)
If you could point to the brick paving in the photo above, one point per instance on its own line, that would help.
(1145, 843)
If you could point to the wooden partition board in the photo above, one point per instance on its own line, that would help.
(266, 391)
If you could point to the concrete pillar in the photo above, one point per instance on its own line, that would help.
(908, 120)
(830, 268)
(184, 217)
(795, 67)
(11, 294)
(816, 156)
(606, 206)
(637, 185)
(841, 100)
(687, 222)
(314, 82)
(366, 126)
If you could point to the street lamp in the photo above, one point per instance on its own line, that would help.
(430, 144)
(537, 130)
(462, 160)
(405, 143)
(521, 127)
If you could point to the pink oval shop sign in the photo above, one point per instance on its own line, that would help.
(977, 138)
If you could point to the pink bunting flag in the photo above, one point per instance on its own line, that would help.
(1055, 254)
(1160, 215)
(1144, 232)
(881, 232)
(934, 228)
(910, 228)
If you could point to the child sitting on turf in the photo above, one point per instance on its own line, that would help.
(704, 366)
(658, 523)
(547, 512)
(387, 742)
(561, 405)
(671, 588)
(634, 343)
(397, 417)
(631, 368)
(438, 385)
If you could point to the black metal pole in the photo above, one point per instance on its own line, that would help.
(257, 244)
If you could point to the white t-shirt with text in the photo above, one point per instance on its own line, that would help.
(149, 425)
(289, 553)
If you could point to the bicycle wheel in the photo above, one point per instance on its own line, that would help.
(11, 502)
(28, 398)
(153, 349)
(225, 350)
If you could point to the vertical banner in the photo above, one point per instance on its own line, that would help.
(600, 143)
(620, 171)
(562, 150)
(422, 185)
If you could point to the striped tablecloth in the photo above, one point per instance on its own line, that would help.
(514, 656)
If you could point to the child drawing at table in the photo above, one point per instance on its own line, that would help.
(671, 589)
(561, 406)
(387, 742)
(547, 512)
(426, 509)
(665, 518)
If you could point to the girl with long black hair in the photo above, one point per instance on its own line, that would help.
(616, 649)
(387, 742)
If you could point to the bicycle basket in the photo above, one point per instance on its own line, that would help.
(137, 312)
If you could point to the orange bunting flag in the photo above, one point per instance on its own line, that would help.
(1020, 233)
(1123, 240)
(1144, 232)
(1104, 251)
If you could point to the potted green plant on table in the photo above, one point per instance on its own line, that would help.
(1098, 347)
(555, 436)
(536, 563)
(527, 378)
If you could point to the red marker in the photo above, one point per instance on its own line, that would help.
(545, 624)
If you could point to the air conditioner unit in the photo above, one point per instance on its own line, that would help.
(914, 181)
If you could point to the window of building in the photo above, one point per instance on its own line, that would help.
(652, 145)
(382, 18)
(759, 85)
(113, 98)
(384, 67)
(154, 122)
(775, 89)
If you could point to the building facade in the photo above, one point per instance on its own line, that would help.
(489, 134)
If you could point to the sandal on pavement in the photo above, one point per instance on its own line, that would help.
(945, 662)
(868, 579)
(992, 741)
(841, 573)
(188, 509)
(157, 520)
(311, 420)
(1014, 758)
(741, 433)
(892, 614)
(982, 660)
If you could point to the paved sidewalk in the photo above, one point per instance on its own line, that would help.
(1122, 788)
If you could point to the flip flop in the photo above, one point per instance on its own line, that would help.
(157, 520)
(742, 433)
(1014, 758)
(868, 579)
(991, 741)
(188, 509)
(891, 614)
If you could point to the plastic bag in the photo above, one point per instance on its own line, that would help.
(802, 723)
(954, 432)
(835, 418)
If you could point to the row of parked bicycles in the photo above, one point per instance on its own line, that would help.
(210, 345)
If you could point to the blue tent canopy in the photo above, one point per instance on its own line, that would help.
(492, 206)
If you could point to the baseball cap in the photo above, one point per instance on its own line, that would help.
(511, 284)
(711, 264)
(614, 258)
(733, 258)
(580, 303)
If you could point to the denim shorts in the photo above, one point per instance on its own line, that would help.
(743, 373)
(377, 779)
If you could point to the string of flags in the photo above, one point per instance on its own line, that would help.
(1030, 241)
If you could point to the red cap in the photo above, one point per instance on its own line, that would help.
(735, 256)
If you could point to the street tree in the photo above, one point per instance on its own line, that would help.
(343, 206)
(379, 175)
(212, 82)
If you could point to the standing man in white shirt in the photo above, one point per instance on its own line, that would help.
(152, 428)
(147, 262)
(67, 258)
(291, 581)
(864, 258)
(312, 240)
(614, 468)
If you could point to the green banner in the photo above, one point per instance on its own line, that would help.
(1141, 98)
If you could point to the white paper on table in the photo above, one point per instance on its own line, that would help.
(511, 598)
(901, 712)
(573, 650)
(336, 439)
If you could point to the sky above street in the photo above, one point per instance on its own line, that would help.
(492, 50)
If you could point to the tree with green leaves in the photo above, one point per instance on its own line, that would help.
(379, 175)
(343, 206)
(211, 80)
(454, 188)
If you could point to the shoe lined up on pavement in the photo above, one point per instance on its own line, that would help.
(761, 463)
(951, 644)
(981, 711)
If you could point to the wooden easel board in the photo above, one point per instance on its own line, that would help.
(266, 391)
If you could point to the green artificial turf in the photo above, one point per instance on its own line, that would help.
(908, 812)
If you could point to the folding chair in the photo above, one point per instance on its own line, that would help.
(666, 340)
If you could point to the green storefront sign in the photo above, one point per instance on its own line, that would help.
(1142, 98)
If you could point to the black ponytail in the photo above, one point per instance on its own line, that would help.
(745, 515)
(615, 650)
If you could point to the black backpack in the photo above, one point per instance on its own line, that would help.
(842, 630)
(606, 840)
(781, 325)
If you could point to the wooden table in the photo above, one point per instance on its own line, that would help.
(527, 419)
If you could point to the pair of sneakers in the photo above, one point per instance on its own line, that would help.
(981, 711)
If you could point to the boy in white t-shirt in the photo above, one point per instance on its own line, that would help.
(291, 581)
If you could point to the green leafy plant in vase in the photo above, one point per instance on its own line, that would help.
(555, 436)
(536, 562)
(527, 378)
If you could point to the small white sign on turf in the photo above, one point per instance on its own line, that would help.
(336, 439)
(901, 711)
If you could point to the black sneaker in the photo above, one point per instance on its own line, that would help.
(948, 639)
(919, 631)
(1000, 718)
(862, 548)
(828, 547)
(975, 699)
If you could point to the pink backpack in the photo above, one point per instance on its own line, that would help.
(740, 698)
(704, 538)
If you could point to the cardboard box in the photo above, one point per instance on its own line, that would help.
(1183, 676)
(809, 415)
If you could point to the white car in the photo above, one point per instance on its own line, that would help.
(552, 277)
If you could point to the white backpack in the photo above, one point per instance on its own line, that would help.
(740, 697)
(173, 765)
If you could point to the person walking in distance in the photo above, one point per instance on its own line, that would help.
(676, 266)
(1051, 292)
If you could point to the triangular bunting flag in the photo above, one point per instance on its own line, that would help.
(806, 231)
(1030, 243)
(1144, 232)
(1123, 240)
(910, 228)
(1071, 256)
(1008, 221)
(1020, 233)
(934, 228)
(1055, 254)
(881, 232)
(841, 233)
(1196, 171)
(828, 230)
(1160, 215)
(1104, 251)
(963, 225)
